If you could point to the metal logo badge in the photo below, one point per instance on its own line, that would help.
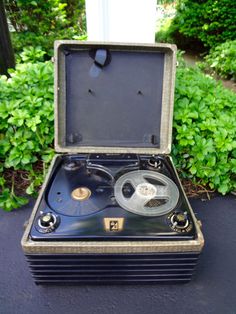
(113, 224)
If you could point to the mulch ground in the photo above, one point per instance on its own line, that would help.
(194, 190)
(20, 178)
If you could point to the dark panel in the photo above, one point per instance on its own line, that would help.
(124, 97)
(112, 268)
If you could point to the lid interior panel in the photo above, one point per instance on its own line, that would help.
(113, 102)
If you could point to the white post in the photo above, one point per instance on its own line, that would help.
(121, 20)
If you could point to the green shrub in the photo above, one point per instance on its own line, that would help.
(26, 124)
(22, 41)
(204, 146)
(222, 60)
(40, 23)
(164, 34)
(75, 14)
(31, 54)
(36, 16)
(210, 21)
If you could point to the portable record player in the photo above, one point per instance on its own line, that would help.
(112, 209)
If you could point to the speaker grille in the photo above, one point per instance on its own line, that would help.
(112, 268)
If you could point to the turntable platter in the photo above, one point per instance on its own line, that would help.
(65, 195)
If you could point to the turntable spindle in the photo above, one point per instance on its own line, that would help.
(81, 194)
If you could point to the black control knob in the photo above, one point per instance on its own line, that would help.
(47, 220)
(181, 219)
(180, 222)
(154, 162)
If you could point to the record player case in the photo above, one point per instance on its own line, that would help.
(113, 110)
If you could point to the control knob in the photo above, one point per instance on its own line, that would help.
(47, 222)
(180, 222)
(154, 162)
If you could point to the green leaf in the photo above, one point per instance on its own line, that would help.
(30, 189)
(223, 189)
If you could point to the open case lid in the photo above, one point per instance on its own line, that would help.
(114, 98)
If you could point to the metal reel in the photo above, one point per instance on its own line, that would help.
(154, 194)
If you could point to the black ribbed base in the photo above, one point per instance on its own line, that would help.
(112, 268)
